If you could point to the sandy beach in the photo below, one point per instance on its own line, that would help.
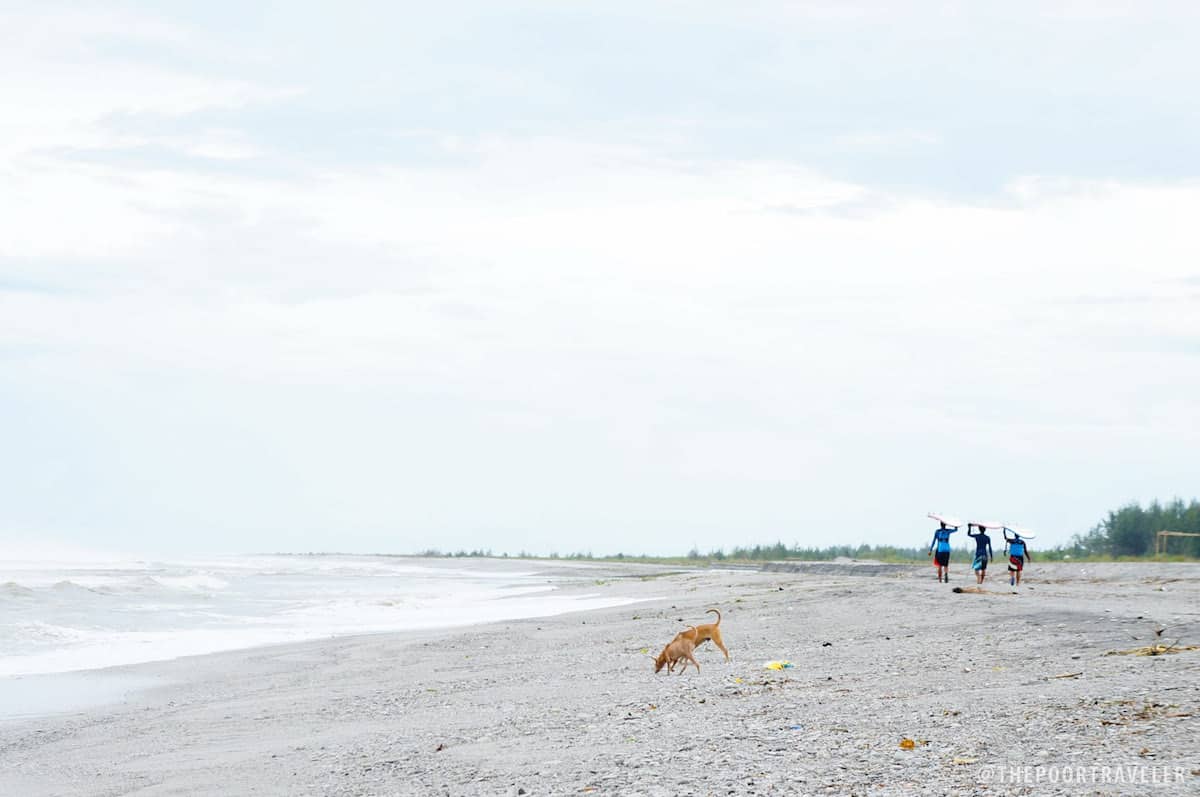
(992, 689)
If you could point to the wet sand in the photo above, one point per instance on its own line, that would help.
(989, 687)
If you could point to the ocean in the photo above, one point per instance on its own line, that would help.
(59, 617)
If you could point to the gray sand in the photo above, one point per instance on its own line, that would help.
(570, 704)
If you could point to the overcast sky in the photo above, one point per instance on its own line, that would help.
(592, 277)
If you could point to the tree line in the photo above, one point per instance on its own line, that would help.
(1129, 531)
(1132, 529)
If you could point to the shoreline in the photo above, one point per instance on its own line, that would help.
(512, 589)
(566, 703)
(33, 695)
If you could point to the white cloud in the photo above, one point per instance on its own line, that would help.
(545, 317)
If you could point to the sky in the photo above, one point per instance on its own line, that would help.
(597, 277)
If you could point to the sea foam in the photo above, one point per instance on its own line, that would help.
(75, 615)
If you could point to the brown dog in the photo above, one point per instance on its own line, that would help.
(678, 649)
(702, 633)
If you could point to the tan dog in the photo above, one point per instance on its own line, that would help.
(702, 633)
(678, 649)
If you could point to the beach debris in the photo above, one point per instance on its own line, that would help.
(739, 680)
(778, 665)
(441, 746)
(1068, 675)
(1153, 650)
(979, 591)
(964, 761)
(1148, 711)
(907, 743)
(826, 644)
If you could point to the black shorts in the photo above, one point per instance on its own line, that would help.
(942, 558)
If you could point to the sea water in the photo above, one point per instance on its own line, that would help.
(58, 617)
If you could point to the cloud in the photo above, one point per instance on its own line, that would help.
(306, 303)
(880, 142)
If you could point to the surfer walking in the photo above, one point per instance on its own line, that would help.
(983, 551)
(941, 541)
(1018, 552)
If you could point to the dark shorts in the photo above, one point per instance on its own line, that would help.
(980, 562)
(1016, 563)
(942, 558)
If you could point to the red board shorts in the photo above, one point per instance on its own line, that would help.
(1016, 563)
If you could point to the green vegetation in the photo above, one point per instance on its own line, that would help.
(738, 555)
(761, 553)
(1131, 530)
(1125, 534)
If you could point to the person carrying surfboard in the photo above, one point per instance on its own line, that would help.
(1018, 552)
(983, 551)
(941, 540)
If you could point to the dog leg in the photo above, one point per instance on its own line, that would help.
(716, 638)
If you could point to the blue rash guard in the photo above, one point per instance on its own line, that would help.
(942, 539)
(1016, 547)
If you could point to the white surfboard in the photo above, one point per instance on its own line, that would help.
(949, 520)
(987, 524)
(1024, 534)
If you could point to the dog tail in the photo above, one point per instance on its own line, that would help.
(716, 612)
